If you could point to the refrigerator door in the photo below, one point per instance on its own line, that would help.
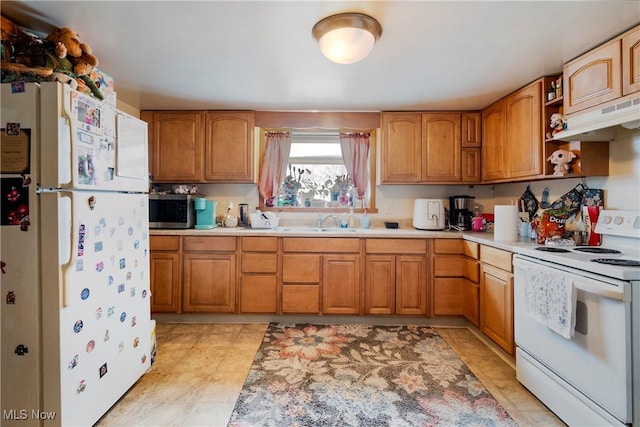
(96, 312)
(88, 145)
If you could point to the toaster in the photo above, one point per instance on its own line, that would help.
(428, 214)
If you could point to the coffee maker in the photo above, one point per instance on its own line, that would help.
(461, 211)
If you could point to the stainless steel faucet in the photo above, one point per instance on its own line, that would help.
(320, 220)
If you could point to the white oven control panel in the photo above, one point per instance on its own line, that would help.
(619, 223)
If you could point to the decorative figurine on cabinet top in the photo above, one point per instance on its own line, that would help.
(562, 160)
(557, 124)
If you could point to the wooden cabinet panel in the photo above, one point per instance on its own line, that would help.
(631, 62)
(210, 244)
(496, 306)
(448, 246)
(258, 294)
(164, 243)
(401, 147)
(259, 262)
(229, 146)
(441, 147)
(411, 285)
(471, 133)
(396, 246)
(301, 299)
(301, 268)
(524, 131)
(496, 257)
(259, 244)
(209, 282)
(470, 249)
(447, 266)
(176, 146)
(471, 301)
(341, 284)
(380, 284)
(593, 78)
(165, 282)
(471, 170)
(448, 296)
(320, 245)
(494, 131)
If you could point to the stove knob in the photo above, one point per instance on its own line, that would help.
(606, 219)
(618, 220)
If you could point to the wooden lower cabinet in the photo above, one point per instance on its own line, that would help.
(301, 283)
(496, 297)
(209, 274)
(396, 283)
(164, 274)
(258, 275)
(341, 284)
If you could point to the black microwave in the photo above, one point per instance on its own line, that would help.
(171, 211)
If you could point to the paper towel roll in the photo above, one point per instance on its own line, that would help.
(505, 226)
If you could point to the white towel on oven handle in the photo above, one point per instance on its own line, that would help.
(551, 298)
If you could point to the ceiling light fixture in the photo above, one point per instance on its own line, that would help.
(347, 37)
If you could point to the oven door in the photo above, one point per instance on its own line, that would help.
(596, 361)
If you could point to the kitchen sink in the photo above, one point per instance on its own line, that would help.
(318, 230)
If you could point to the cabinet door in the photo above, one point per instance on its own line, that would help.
(176, 146)
(165, 282)
(471, 133)
(401, 147)
(258, 294)
(631, 62)
(494, 129)
(380, 284)
(524, 131)
(471, 301)
(496, 306)
(229, 146)
(411, 285)
(209, 282)
(341, 284)
(593, 78)
(441, 155)
(470, 170)
(447, 298)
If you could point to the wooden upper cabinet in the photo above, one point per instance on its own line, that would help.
(401, 147)
(229, 147)
(631, 62)
(494, 129)
(176, 144)
(441, 155)
(524, 131)
(471, 130)
(593, 78)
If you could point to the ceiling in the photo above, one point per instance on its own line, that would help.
(260, 55)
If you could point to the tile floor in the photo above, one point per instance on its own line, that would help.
(201, 368)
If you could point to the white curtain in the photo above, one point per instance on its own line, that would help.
(355, 153)
(276, 158)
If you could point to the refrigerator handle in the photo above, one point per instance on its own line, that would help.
(73, 138)
(69, 242)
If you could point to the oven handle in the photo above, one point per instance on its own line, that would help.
(588, 282)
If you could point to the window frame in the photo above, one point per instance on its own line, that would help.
(371, 208)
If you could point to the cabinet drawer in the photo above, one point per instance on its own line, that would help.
(259, 263)
(210, 244)
(396, 246)
(301, 299)
(448, 246)
(448, 266)
(301, 268)
(496, 257)
(260, 244)
(471, 270)
(471, 249)
(320, 245)
(164, 243)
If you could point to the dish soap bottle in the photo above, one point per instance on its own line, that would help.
(230, 220)
(352, 219)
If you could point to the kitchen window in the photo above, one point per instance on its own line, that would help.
(314, 171)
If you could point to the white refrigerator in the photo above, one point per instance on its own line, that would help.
(75, 255)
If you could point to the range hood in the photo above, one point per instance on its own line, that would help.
(600, 124)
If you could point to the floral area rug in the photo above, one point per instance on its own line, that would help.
(362, 375)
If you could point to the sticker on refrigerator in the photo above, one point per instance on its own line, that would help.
(86, 168)
(15, 201)
(99, 266)
(143, 359)
(18, 87)
(123, 316)
(73, 362)
(99, 313)
(77, 327)
(121, 288)
(81, 387)
(103, 370)
(106, 335)
(136, 342)
(90, 346)
(11, 298)
(84, 294)
(98, 246)
(111, 311)
(81, 235)
(15, 151)
(133, 321)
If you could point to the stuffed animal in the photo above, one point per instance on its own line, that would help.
(562, 160)
(556, 123)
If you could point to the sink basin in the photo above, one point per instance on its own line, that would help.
(318, 230)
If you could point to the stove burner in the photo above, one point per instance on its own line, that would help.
(595, 250)
(551, 249)
(618, 261)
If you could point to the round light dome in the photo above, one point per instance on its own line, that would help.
(347, 38)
